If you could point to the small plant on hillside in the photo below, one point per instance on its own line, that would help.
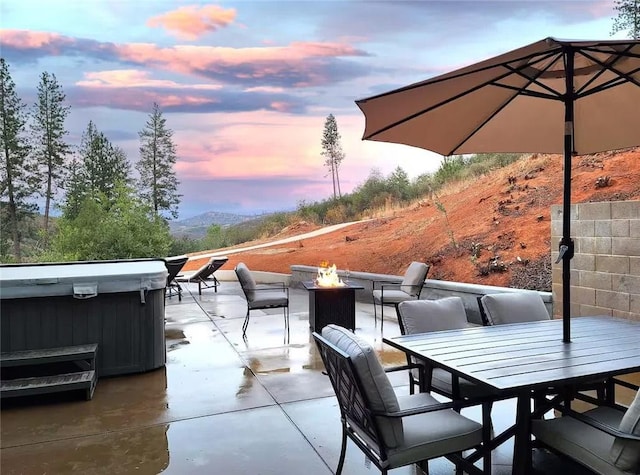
(440, 207)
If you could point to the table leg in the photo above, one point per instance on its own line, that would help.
(522, 441)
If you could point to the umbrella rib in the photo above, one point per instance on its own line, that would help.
(505, 104)
(621, 79)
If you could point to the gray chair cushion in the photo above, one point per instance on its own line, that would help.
(391, 296)
(432, 434)
(421, 316)
(514, 307)
(414, 278)
(583, 443)
(268, 298)
(625, 454)
(374, 380)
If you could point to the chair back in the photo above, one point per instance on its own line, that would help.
(209, 268)
(625, 454)
(414, 277)
(514, 307)
(174, 266)
(247, 282)
(422, 316)
(361, 386)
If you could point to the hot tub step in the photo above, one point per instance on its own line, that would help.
(85, 380)
(84, 355)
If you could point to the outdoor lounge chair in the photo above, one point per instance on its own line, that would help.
(392, 293)
(606, 439)
(174, 266)
(392, 431)
(204, 276)
(262, 296)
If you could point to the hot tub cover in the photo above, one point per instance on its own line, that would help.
(82, 279)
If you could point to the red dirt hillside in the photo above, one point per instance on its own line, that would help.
(503, 217)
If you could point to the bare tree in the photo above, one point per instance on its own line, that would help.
(332, 152)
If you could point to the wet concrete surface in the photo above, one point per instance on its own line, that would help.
(221, 405)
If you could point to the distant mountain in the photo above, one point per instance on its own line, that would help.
(196, 227)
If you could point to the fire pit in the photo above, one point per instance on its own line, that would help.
(331, 300)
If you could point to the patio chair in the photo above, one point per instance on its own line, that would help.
(204, 275)
(606, 439)
(512, 307)
(262, 296)
(392, 293)
(423, 316)
(527, 306)
(392, 431)
(174, 266)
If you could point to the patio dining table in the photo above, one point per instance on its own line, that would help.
(514, 360)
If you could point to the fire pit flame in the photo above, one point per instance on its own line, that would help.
(328, 276)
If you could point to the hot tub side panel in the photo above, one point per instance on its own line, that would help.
(130, 334)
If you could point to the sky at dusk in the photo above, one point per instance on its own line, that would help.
(246, 86)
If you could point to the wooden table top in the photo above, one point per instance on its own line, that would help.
(528, 355)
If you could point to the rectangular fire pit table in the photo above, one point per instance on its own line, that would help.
(332, 305)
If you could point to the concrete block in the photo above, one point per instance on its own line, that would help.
(626, 247)
(583, 295)
(634, 228)
(620, 228)
(556, 274)
(634, 265)
(596, 280)
(584, 228)
(584, 262)
(612, 264)
(599, 210)
(625, 315)
(612, 300)
(592, 310)
(625, 283)
(603, 245)
(556, 228)
(586, 245)
(556, 212)
(602, 228)
(625, 209)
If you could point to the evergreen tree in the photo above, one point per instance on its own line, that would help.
(75, 188)
(18, 179)
(332, 152)
(103, 164)
(627, 18)
(48, 132)
(158, 184)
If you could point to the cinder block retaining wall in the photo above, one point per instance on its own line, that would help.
(433, 289)
(605, 272)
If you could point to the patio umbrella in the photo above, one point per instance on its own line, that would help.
(552, 96)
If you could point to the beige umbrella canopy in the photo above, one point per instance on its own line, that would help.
(552, 96)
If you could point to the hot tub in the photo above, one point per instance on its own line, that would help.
(117, 304)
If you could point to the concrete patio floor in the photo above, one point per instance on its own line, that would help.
(221, 405)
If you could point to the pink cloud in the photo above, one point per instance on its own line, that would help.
(190, 22)
(135, 78)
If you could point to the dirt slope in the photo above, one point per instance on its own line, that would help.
(493, 225)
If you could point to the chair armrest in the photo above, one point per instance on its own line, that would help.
(457, 405)
(379, 283)
(625, 384)
(590, 421)
(402, 368)
(271, 286)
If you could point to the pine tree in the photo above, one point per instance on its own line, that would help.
(332, 151)
(48, 132)
(18, 179)
(627, 17)
(104, 166)
(158, 184)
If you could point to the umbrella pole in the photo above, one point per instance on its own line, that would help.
(566, 243)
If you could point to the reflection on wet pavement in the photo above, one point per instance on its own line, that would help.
(222, 404)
